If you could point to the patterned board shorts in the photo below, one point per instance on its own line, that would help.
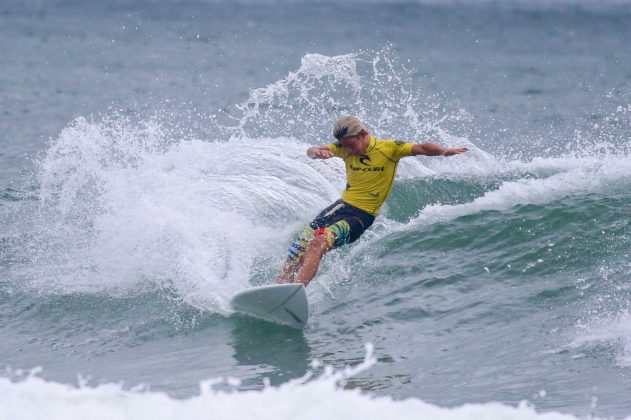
(340, 223)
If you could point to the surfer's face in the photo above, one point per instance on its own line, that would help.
(355, 145)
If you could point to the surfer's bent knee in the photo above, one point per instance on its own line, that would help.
(339, 223)
(298, 248)
(324, 239)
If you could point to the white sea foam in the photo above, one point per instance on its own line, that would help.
(123, 207)
(35, 398)
(322, 397)
(126, 205)
(569, 176)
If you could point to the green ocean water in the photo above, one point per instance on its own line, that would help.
(508, 284)
(146, 189)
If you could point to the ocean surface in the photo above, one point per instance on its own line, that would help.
(152, 165)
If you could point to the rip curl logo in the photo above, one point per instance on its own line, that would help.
(366, 165)
(363, 159)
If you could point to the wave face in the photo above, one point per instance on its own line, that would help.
(498, 275)
(306, 397)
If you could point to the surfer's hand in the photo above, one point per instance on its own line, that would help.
(319, 153)
(324, 153)
(451, 152)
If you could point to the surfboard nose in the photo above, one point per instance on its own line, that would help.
(284, 304)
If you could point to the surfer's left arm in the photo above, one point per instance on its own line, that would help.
(320, 152)
(432, 149)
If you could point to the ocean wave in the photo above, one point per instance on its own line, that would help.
(120, 205)
(309, 397)
(123, 205)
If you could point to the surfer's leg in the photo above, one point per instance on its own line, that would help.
(327, 222)
(318, 246)
(295, 254)
(288, 271)
(325, 239)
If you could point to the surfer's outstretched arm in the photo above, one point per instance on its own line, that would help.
(432, 149)
(319, 152)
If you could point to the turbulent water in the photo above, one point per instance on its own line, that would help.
(153, 165)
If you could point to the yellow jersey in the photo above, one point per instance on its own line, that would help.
(369, 177)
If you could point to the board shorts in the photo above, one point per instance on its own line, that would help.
(340, 223)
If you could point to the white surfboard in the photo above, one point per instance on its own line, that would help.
(280, 303)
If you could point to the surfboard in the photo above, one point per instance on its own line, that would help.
(284, 304)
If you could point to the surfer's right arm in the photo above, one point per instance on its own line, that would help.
(319, 152)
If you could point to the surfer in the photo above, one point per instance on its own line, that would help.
(371, 165)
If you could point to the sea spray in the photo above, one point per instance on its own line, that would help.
(309, 397)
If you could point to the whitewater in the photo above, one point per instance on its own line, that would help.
(153, 165)
(305, 398)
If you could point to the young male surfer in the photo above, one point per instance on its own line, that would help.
(371, 165)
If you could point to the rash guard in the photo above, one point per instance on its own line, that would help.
(369, 177)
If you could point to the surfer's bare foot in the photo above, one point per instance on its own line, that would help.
(288, 272)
